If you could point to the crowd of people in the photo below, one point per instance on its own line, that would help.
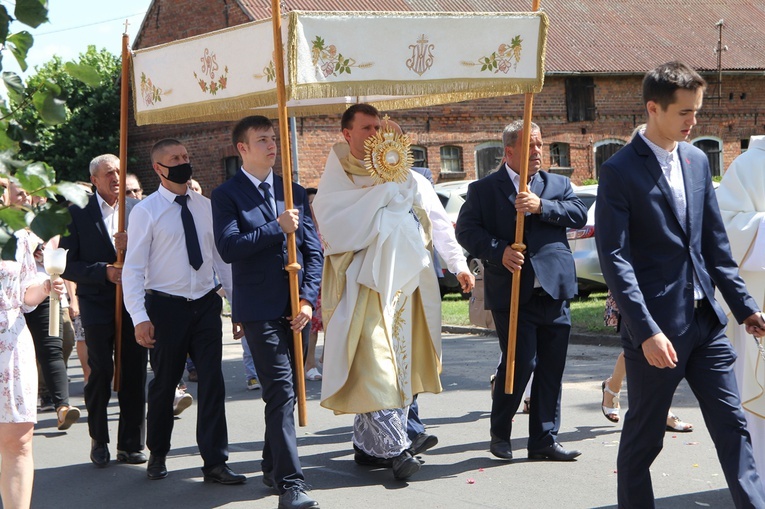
(368, 281)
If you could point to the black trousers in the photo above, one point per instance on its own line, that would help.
(705, 360)
(132, 394)
(50, 353)
(544, 327)
(272, 350)
(192, 327)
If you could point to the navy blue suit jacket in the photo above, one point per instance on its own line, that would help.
(90, 251)
(250, 239)
(648, 258)
(486, 225)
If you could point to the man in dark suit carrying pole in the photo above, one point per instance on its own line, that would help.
(663, 250)
(486, 229)
(92, 246)
(250, 225)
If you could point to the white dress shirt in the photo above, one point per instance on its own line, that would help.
(270, 181)
(516, 178)
(157, 258)
(109, 215)
(673, 173)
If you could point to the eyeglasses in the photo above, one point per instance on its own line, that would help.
(133, 191)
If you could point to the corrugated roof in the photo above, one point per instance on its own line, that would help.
(604, 36)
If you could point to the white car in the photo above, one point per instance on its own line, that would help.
(452, 195)
(582, 241)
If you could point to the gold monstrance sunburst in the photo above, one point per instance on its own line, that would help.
(388, 158)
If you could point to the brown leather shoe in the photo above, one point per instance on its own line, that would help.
(67, 415)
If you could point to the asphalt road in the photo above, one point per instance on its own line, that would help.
(458, 473)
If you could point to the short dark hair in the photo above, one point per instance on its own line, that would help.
(350, 113)
(310, 191)
(257, 122)
(660, 84)
(162, 145)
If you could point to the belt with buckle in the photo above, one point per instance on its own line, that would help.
(178, 297)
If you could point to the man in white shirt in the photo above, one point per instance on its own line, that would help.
(664, 250)
(486, 228)
(170, 292)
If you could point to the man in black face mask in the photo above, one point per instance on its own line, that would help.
(170, 293)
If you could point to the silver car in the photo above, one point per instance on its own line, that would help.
(582, 241)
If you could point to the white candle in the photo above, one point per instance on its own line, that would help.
(54, 261)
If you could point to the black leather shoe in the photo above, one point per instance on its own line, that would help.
(554, 452)
(133, 458)
(367, 460)
(422, 443)
(99, 453)
(156, 468)
(501, 448)
(294, 497)
(405, 465)
(223, 475)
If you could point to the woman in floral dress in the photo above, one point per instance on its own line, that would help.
(21, 289)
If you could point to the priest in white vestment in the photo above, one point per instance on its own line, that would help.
(381, 304)
(741, 196)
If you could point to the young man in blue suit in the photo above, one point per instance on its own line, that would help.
(663, 250)
(250, 225)
(486, 228)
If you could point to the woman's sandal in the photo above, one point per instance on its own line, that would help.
(612, 414)
(674, 423)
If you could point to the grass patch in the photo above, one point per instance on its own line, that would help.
(586, 313)
(454, 310)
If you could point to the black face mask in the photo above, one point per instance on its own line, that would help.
(180, 174)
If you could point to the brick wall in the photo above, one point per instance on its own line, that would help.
(467, 125)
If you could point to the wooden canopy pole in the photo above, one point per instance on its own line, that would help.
(293, 267)
(124, 96)
(518, 245)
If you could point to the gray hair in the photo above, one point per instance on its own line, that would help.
(512, 130)
(99, 160)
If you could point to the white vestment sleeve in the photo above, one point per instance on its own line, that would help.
(443, 230)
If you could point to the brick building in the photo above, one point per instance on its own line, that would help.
(597, 53)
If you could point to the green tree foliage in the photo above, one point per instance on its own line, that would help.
(91, 115)
(48, 99)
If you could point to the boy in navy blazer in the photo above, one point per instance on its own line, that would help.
(250, 225)
(663, 250)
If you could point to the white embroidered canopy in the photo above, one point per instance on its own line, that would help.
(392, 60)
